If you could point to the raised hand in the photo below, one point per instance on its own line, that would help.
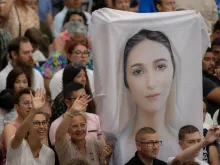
(59, 44)
(212, 134)
(38, 100)
(81, 103)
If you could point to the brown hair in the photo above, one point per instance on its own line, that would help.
(18, 95)
(14, 44)
(187, 129)
(143, 131)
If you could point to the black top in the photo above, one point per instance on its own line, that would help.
(208, 86)
(211, 77)
(136, 161)
(206, 149)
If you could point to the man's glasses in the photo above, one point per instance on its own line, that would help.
(152, 143)
(38, 123)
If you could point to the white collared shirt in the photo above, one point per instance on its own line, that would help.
(37, 81)
(59, 18)
(56, 83)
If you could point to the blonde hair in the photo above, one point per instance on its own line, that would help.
(80, 113)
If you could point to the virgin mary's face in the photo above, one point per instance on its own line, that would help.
(149, 75)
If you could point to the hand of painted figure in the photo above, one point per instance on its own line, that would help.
(212, 134)
(38, 100)
(80, 104)
(107, 151)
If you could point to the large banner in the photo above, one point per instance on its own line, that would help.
(148, 72)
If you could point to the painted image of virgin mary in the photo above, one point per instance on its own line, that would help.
(149, 71)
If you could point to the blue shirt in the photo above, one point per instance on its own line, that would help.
(44, 8)
(146, 6)
(218, 6)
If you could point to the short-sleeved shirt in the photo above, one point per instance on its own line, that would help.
(208, 86)
(136, 161)
(93, 152)
(23, 155)
(196, 160)
(44, 8)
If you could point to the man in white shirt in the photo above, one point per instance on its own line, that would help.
(191, 142)
(20, 53)
(59, 18)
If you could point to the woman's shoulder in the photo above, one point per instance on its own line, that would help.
(47, 150)
(92, 116)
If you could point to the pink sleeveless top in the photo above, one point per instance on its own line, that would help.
(4, 152)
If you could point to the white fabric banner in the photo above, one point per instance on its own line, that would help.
(148, 72)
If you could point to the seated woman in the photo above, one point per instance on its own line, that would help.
(75, 123)
(26, 147)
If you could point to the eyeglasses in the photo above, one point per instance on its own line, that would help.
(151, 144)
(79, 52)
(77, 126)
(38, 123)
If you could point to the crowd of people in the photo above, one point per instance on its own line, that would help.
(47, 107)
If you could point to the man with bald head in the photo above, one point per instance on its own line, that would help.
(148, 147)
